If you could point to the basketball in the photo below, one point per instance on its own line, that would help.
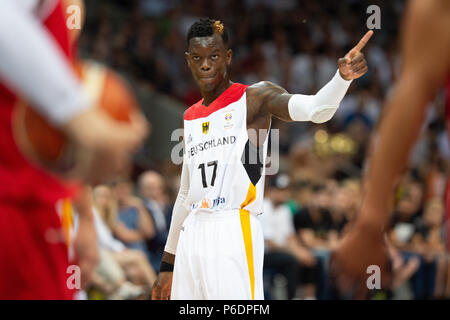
(47, 145)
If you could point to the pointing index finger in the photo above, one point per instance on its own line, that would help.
(363, 41)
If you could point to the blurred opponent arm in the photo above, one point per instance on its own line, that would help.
(32, 65)
(426, 64)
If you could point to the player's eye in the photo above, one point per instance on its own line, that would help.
(196, 58)
(215, 56)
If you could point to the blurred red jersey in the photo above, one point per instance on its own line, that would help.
(33, 257)
(19, 178)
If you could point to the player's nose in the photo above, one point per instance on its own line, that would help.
(205, 66)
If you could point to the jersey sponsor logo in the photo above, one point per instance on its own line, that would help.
(206, 203)
(205, 127)
(213, 143)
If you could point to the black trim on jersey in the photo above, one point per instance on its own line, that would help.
(252, 157)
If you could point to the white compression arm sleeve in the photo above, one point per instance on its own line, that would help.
(179, 213)
(33, 66)
(322, 106)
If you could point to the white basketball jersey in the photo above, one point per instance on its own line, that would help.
(226, 172)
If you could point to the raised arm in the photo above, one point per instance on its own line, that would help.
(269, 98)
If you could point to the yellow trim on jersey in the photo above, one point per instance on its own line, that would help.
(66, 220)
(247, 234)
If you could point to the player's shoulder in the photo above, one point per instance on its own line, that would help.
(258, 92)
(193, 106)
(191, 112)
(263, 86)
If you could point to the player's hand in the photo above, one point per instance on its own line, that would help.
(360, 248)
(353, 65)
(163, 286)
(104, 147)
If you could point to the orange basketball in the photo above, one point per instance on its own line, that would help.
(46, 144)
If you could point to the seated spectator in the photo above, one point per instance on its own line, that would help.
(403, 266)
(407, 214)
(134, 225)
(312, 221)
(284, 254)
(428, 240)
(342, 206)
(122, 273)
(152, 190)
(417, 233)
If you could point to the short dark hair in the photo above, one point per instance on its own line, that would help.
(206, 28)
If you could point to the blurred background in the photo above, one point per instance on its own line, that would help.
(314, 198)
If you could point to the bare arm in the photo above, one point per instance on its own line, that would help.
(302, 253)
(145, 223)
(426, 52)
(308, 237)
(50, 86)
(145, 228)
(125, 234)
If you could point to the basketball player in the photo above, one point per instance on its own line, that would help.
(426, 67)
(214, 230)
(35, 58)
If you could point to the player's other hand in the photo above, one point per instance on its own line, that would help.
(104, 147)
(361, 247)
(353, 65)
(162, 287)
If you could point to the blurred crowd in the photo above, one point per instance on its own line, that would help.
(132, 223)
(313, 200)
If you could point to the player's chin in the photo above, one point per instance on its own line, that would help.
(208, 85)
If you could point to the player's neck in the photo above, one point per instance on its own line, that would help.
(210, 96)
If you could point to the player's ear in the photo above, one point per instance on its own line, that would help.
(229, 56)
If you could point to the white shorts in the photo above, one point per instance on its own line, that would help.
(219, 256)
